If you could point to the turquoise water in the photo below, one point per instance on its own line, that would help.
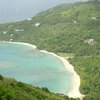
(29, 65)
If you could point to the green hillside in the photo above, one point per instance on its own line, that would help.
(13, 90)
(68, 28)
(89, 70)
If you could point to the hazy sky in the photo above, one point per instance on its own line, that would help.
(12, 10)
(23, 3)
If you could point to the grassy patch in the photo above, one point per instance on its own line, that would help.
(70, 55)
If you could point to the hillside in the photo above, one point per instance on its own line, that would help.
(68, 28)
(10, 89)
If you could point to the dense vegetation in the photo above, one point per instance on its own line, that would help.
(13, 90)
(89, 70)
(69, 28)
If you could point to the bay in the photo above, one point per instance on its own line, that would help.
(29, 65)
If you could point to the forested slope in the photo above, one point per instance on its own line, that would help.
(10, 89)
(71, 28)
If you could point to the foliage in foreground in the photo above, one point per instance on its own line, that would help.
(13, 90)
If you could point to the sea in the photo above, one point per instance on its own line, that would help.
(26, 64)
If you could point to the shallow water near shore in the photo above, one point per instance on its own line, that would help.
(29, 65)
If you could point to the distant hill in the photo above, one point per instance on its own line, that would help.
(72, 28)
(68, 28)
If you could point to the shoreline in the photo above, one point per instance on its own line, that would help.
(74, 92)
(22, 43)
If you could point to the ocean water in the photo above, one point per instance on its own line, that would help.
(29, 65)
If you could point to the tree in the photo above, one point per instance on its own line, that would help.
(1, 77)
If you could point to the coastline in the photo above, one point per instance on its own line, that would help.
(74, 92)
(27, 44)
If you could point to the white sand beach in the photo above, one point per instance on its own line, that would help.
(74, 92)
(33, 46)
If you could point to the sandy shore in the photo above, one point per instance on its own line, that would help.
(27, 44)
(74, 92)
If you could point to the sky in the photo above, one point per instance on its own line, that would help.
(14, 10)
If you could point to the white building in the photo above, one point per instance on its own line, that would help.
(94, 18)
(37, 24)
(4, 32)
(90, 41)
